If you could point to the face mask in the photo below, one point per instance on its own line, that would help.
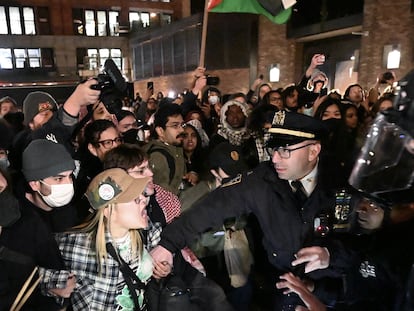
(213, 99)
(60, 195)
(333, 124)
(4, 163)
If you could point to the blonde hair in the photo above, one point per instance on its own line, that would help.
(97, 225)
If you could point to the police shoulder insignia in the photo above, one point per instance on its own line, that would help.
(234, 181)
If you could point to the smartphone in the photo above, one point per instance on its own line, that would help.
(150, 85)
(212, 80)
(261, 77)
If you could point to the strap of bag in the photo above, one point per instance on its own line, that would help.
(131, 279)
(168, 157)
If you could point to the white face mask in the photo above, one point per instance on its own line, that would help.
(213, 99)
(60, 195)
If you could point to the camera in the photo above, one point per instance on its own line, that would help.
(212, 80)
(113, 87)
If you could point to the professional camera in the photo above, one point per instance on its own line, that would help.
(113, 87)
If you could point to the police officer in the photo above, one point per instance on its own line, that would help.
(288, 212)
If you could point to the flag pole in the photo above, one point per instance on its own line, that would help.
(201, 62)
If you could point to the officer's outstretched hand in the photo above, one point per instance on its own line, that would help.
(292, 283)
(316, 258)
(162, 255)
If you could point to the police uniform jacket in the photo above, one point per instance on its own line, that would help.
(287, 226)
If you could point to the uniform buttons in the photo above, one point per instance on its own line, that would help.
(274, 254)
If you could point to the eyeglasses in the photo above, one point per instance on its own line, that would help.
(108, 143)
(283, 152)
(177, 125)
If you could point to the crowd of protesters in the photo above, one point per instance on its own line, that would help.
(234, 193)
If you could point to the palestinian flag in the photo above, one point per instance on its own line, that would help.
(278, 11)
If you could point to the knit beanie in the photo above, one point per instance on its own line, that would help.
(8, 99)
(43, 158)
(36, 102)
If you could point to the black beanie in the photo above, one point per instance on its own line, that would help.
(43, 158)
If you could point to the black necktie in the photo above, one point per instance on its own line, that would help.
(299, 191)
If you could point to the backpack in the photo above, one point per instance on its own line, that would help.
(168, 157)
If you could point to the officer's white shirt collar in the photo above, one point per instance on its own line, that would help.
(309, 181)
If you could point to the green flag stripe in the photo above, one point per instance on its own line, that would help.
(250, 6)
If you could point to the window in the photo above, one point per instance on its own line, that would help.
(34, 56)
(23, 58)
(166, 19)
(78, 22)
(6, 60)
(3, 21)
(90, 23)
(113, 23)
(17, 20)
(95, 58)
(95, 23)
(134, 19)
(15, 24)
(20, 56)
(27, 58)
(101, 23)
(29, 21)
(103, 54)
(145, 18)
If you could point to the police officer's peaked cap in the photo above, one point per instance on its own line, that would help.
(290, 128)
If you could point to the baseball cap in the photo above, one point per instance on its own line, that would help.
(114, 186)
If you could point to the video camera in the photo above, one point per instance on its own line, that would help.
(113, 87)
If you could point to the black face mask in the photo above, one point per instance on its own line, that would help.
(333, 124)
(9, 209)
(130, 136)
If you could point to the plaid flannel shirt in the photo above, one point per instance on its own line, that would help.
(93, 291)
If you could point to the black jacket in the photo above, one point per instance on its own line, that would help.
(31, 237)
(286, 226)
